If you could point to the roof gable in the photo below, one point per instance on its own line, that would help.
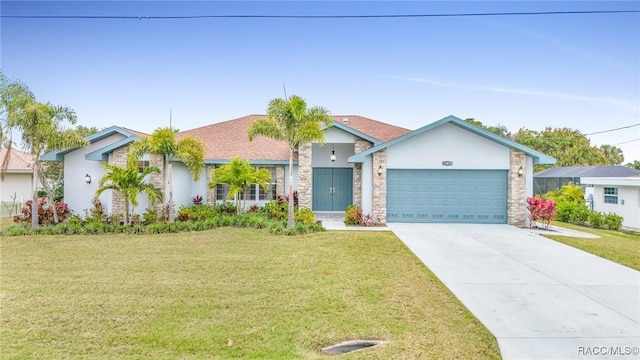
(538, 157)
(101, 153)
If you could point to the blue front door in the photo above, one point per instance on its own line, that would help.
(332, 188)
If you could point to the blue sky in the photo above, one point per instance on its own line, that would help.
(577, 71)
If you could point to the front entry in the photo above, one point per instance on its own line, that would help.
(332, 189)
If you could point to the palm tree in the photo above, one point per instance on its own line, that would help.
(239, 174)
(162, 142)
(290, 121)
(40, 125)
(129, 182)
(612, 155)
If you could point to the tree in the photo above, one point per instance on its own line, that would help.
(612, 155)
(129, 182)
(239, 175)
(634, 165)
(162, 142)
(41, 125)
(290, 121)
(497, 129)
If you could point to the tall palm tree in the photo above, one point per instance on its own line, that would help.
(239, 175)
(162, 142)
(289, 120)
(129, 182)
(41, 125)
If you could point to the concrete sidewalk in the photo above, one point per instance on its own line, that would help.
(541, 299)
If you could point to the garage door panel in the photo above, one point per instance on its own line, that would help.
(455, 196)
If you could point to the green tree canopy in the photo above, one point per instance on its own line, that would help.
(163, 142)
(129, 182)
(290, 121)
(239, 175)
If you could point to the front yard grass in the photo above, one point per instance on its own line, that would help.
(227, 293)
(613, 245)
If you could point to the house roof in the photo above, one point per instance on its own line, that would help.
(102, 153)
(538, 157)
(588, 171)
(228, 139)
(612, 181)
(19, 161)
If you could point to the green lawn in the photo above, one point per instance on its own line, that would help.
(227, 293)
(613, 245)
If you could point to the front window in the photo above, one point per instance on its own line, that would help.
(142, 165)
(254, 191)
(222, 190)
(610, 195)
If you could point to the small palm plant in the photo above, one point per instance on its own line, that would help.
(239, 175)
(129, 182)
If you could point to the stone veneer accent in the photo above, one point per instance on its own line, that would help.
(360, 145)
(516, 196)
(118, 157)
(380, 186)
(211, 192)
(280, 176)
(305, 176)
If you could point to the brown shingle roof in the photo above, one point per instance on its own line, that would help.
(18, 161)
(229, 138)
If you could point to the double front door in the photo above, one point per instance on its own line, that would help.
(332, 189)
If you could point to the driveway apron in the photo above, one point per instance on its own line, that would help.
(541, 299)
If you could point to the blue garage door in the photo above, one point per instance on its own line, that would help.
(447, 196)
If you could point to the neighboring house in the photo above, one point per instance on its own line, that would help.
(620, 195)
(16, 187)
(447, 171)
(556, 177)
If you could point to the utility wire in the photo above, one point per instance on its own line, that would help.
(626, 142)
(610, 130)
(129, 17)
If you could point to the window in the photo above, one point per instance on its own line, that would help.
(254, 192)
(610, 195)
(222, 190)
(142, 165)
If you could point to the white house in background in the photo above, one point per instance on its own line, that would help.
(15, 188)
(446, 171)
(620, 195)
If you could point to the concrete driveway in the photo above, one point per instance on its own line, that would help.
(541, 299)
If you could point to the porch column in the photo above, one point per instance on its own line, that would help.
(211, 192)
(305, 178)
(158, 180)
(516, 193)
(360, 145)
(279, 180)
(118, 157)
(380, 186)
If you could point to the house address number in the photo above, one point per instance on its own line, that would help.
(447, 163)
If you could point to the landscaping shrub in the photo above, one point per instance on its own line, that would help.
(305, 216)
(276, 209)
(613, 221)
(572, 212)
(149, 216)
(45, 212)
(15, 230)
(596, 219)
(540, 209)
(197, 200)
(353, 215)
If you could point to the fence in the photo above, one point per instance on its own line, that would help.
(9, 208)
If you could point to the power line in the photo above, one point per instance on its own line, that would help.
(129, 17)
(626, 142)
(610, 130)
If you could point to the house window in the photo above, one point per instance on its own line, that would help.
(142, 165)
(610, 195)
(222, 190)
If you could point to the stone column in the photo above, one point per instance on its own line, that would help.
(516, 193)
(118, 157)
(211, 192)
(360, 145)
(380, 185)
(280, 176)
(305, 178)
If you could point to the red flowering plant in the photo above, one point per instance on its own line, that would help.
(541, 210)
(45, 212)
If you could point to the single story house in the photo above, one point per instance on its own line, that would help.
(556, 177)
(620, 195)
(16, 187)
(446, 171)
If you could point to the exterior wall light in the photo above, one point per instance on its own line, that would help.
(380, 170)
(87, 179)
(520, 171)
(333, 154)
